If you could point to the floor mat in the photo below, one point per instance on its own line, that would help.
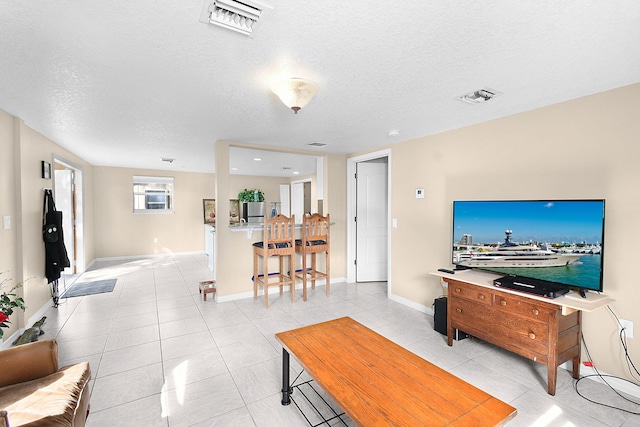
(90, 288)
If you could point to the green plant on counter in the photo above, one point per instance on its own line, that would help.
(250, 196)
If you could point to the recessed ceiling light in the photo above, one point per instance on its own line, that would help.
(296, 173)
(257, 159)
(234, 169)
(393, 132)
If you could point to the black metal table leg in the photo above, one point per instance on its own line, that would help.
(286, 387)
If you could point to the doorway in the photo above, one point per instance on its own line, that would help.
(368, 229)
(68, 193)
(300, 199)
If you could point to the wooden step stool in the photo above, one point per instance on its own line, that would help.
(207, 287)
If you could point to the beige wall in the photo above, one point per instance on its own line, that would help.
(8, 238)
(120, 232)
(335, 204)
(586, 148)
(22, 248)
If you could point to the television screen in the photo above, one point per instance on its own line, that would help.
(559, 241)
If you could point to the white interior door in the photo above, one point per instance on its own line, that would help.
(371, 221)
(297, 201)
(285, 200)
(64, 203)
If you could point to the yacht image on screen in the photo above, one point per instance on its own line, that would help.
(510, 254)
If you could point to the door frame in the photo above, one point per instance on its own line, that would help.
(79, 224)
(303, 182)
(351, 212)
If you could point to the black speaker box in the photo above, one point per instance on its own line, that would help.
(440, 319)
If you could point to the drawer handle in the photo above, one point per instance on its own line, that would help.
(458, 290)
(458, 310)
(480, 296)
(532, 335)
(503, 302)
(535, 311)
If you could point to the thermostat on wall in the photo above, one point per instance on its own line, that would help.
(420, 193)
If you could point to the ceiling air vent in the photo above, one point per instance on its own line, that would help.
(244, 17)
(479, 96)
(317, 144)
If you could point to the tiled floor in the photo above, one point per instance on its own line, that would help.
(161, 356)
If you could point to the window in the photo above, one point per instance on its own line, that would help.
(152, 194)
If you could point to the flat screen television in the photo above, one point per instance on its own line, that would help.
(539, 242)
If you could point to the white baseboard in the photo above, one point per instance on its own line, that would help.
(411, 304)
(135, 257)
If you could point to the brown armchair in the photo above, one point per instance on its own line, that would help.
(34, 392)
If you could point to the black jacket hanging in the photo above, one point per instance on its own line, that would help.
(56, 258)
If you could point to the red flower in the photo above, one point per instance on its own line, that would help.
(3, 317)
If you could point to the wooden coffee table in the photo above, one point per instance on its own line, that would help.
(377, 382)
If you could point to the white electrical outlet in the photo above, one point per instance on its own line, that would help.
(628, 327)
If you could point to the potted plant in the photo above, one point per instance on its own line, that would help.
(252, 205)
(9, 301)
(246, 196)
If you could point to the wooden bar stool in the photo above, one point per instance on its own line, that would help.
(315, 239)
(278, 240)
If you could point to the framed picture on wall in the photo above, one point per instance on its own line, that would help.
(46, 170)
(234, 211)
(209, 207)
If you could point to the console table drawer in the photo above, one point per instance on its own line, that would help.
(521, 306)
(470, 292)
(498, 327)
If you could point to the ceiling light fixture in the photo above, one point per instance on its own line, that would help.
(242, 17)
(479, 96)
(295, 93)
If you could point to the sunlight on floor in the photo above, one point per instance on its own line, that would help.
(549, 419)
(180, 379)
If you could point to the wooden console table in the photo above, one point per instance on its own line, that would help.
(378, 383)
(544, 330)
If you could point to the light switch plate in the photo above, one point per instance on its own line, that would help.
(420, 193)
(6, 222)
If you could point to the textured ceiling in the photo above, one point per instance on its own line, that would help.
(124, 83)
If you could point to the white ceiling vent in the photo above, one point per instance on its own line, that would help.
(479, 96)
(317, 144)
(244, 16)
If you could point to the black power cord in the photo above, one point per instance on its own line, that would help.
(630, 365)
